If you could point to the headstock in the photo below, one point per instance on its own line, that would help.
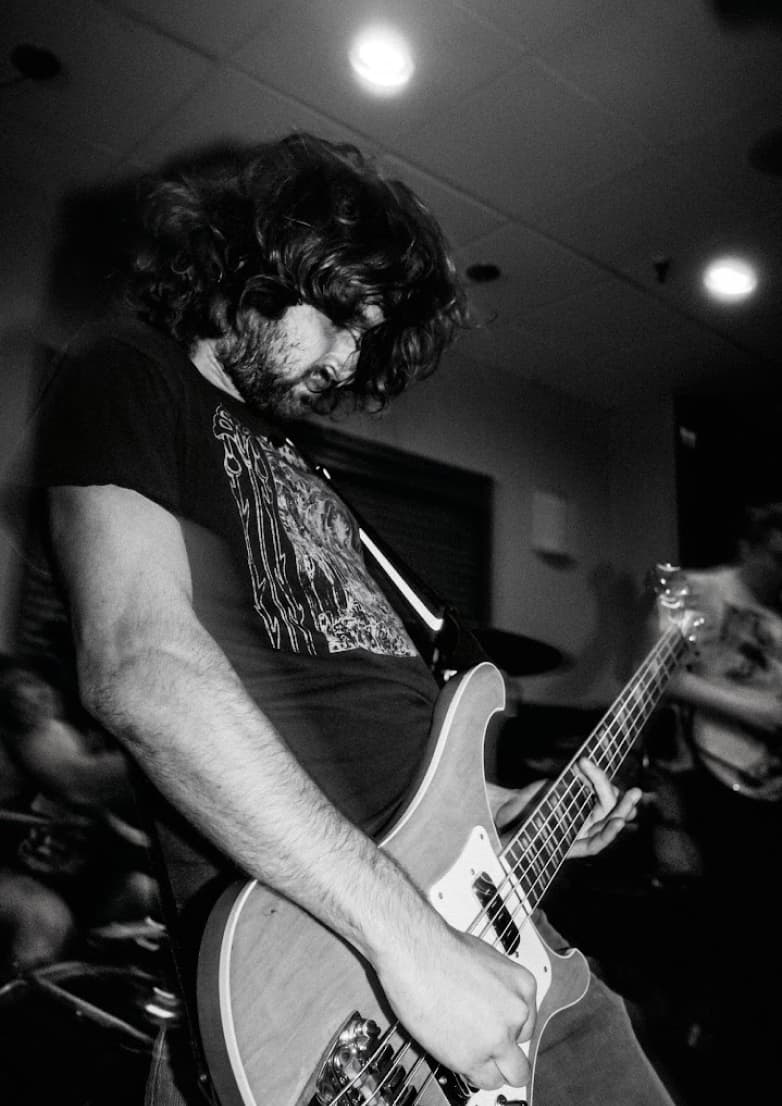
(673, 593)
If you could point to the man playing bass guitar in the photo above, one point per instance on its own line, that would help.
(226, 628)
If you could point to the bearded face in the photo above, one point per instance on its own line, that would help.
(290, 366)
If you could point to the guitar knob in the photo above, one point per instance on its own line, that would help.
(359, 1031)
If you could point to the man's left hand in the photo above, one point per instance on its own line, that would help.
(610, 814)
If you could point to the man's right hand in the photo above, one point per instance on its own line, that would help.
(469, 1006)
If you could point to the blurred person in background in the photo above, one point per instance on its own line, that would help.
(71, 854)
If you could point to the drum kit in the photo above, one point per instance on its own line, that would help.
(519, 655)
(113, 992)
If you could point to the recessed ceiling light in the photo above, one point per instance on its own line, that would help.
(382, 59)
(35, 62)
(483, 272)
(730, 279)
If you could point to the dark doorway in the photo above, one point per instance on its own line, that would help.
(729, 455)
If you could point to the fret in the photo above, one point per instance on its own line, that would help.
(537, 850)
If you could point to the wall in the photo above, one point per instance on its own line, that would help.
(614, 469)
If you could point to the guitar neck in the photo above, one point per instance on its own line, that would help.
(537, 850)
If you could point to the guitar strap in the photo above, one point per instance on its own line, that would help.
(442, 638)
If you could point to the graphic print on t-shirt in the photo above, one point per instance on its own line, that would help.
(741, 640)
(750, 647)
(309, 583)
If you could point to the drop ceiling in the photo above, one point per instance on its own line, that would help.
(576, 144)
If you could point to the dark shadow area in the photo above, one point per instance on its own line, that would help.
(84, 955)
(726, 457)
(744, 14)
(97, 232)
(641, 913)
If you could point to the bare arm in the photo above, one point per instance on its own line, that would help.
(56, 758)
(154, 677)
(753, 707)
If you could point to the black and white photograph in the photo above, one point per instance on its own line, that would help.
(390, 552)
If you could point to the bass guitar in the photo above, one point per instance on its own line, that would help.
(291, 1015)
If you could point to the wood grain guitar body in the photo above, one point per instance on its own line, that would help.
(277, 990)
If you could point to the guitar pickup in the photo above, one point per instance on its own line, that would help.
(362, 1067)
(499, 915)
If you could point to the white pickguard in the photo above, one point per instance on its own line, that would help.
(454, 898)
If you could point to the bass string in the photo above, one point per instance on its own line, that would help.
(578, 800)
(577, 797)
(408, 1080)
(432, 1070)
(544, 868)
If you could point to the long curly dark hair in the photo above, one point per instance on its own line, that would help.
(300, 220)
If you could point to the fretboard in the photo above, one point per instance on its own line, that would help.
(537, 850)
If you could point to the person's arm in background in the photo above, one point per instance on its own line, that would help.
(756, 708)
(50, 753)
(56, 758)
(152, 675)
(726, 700)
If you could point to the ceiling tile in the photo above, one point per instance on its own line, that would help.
(213, 28)
(232, 107)
(304, 52)
(535, 271)
(118, 77)
(533, 24)
(462, 218)
(523, 140)
(644, 213)
(666, 73)
(597, 320)
(720, 155)
(49, 161)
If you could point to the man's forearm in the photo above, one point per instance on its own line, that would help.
(185, 717)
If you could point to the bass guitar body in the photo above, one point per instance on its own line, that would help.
(290, 1015)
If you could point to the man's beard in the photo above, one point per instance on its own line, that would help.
(253, 356)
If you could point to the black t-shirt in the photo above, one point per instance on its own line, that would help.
(278, 575)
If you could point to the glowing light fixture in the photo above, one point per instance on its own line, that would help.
(382, 59)
(730, 279)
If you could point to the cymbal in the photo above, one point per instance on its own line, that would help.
(517, 654)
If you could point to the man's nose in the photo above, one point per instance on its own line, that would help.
(345, 357)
